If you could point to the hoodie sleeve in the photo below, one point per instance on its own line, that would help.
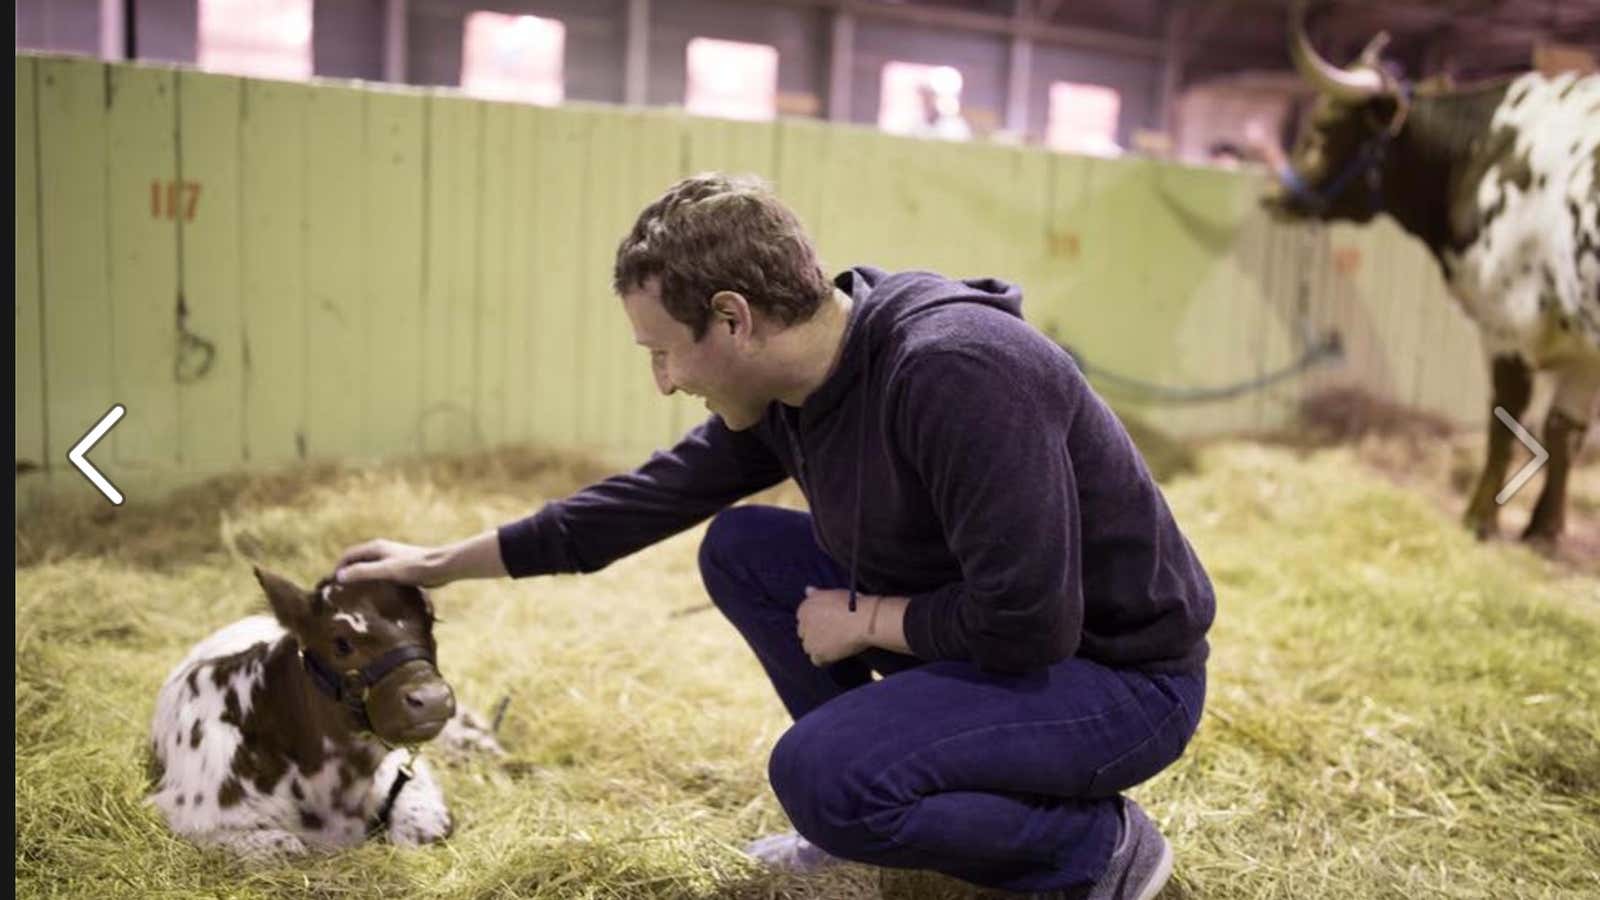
(711, 468)
(989, 440)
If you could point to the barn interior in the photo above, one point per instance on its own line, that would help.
(296, 274)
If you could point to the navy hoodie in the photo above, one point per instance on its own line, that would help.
(985, 478)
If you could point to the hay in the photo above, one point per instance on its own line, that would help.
(1395, 709)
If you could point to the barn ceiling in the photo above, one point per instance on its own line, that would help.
(1464, 38)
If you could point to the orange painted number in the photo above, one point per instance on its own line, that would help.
(168, 198)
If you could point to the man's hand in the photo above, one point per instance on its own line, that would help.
(429, 567)
(383, 560)
(828, 630)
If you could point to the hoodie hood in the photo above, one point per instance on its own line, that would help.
(884, 302)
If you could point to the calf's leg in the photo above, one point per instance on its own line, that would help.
(419, 814)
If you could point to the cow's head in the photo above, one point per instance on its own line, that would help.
(1337, 157)
(369, 647)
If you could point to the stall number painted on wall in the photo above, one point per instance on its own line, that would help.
(170, 198)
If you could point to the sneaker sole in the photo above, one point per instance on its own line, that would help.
(1158, 878)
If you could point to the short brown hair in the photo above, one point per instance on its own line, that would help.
(715, 232)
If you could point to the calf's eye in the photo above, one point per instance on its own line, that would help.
(342, 647)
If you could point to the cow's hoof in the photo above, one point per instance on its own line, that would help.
(1484, 528)
(1546, 541)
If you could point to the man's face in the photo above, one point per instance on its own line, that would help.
(715, 367)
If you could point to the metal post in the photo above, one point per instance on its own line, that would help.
(395, 21)
(841, 56)
(1021, 73)
(636, 71)
(113, 30)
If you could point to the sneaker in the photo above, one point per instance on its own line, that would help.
(1141, 863)
(789, 852)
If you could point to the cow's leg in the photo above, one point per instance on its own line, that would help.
(419, 814)
(465, 735)
(1513, 385)
(1564, 429)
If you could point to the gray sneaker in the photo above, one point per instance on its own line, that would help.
(789, 852)
(1139, 868)
(1142, 862)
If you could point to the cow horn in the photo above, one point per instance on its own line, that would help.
(1372, 56)
(1358, 83)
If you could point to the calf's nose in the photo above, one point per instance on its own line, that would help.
(435, 696)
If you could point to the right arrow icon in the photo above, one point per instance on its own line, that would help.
(1540, 454)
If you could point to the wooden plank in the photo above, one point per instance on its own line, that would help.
(1063, 266)
(337, 334)
(144, 203)
(433, 426)
(210, 366)
(608, 340)
(464, 179)
(29, 356)
(392, 260)
(77, 320)
(273, 225)
(491, 262)
(801, 150)
(849, 188)
(562, 138)
(522, 280)
(449, 422)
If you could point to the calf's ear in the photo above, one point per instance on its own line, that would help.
(292, 605)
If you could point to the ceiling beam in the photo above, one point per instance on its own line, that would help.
(986, 23)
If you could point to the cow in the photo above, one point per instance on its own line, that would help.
(1501, 182)
(287, 733)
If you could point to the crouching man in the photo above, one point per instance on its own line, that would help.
(982, 533)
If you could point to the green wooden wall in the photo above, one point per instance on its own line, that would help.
(268, 272)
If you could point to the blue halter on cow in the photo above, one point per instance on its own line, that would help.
(1501, 182)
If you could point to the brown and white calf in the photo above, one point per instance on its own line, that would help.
(276, 734)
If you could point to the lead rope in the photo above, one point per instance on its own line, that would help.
(406, 773)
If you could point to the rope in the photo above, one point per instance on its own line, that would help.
(1328, 348)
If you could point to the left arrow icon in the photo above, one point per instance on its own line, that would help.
(77, 455)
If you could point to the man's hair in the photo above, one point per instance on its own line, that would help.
(714, 232)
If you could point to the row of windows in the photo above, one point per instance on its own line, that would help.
(509, 57)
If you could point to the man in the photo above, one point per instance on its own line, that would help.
(982, 533)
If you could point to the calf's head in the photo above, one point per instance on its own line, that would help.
(368, 647)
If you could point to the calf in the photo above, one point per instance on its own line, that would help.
(276, 734)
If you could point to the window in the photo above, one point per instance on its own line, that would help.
(262, 38)
(922, 100)
(513, 58)
(732, 80)
(1083, 119)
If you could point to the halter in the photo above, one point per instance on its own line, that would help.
(1368, 162)
(351, 690)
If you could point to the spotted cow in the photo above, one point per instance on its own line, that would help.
(1501, 182)
(285, 733)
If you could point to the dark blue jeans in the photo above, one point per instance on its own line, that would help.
(1006, 781)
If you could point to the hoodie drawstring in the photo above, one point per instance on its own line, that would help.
(861, 464)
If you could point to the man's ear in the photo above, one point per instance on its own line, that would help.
(293, 606)
(730, 310)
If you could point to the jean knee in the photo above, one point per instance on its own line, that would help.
(729, 534)
(817, 790)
